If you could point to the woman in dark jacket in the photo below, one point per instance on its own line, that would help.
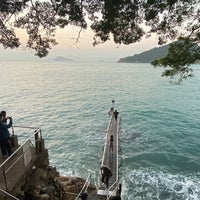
(4, 137)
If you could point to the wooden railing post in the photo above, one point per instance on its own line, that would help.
(36, 140)
(39, 142)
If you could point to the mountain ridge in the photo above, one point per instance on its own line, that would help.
(61, 59)
(146, 56)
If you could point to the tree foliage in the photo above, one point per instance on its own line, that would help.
(181, 55)
(124, 21)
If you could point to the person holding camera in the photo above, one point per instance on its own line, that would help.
(4, 118)
(4, 135)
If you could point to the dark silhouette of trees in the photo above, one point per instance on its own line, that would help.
(124, 21)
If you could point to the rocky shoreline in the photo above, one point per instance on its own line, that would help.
(43, 182)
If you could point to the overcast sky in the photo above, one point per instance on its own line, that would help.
(83, 50)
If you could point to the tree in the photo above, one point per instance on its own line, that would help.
(181, 55)
(124, 21)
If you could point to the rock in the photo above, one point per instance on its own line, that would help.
(43, 197)
(48, 189)
(42, 182)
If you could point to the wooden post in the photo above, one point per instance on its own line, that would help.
(41, 144)
(14, 140)
(36, 141)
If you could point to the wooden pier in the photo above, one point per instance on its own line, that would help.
(110, 159)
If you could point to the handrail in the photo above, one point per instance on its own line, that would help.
(3, 191)
(118, 131)
(28, 127)
(106, 141)
(85, 186)
(20, 151)
(109, 195)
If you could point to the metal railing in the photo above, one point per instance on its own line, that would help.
(8, 195)
(13, 168)
(115, 190)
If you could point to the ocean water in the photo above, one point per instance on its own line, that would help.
(159, 140)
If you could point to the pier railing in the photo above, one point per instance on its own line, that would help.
(85, 187)
(106, 145)
(6, 194)
(13, 168)
(115, 185)
(110, 158)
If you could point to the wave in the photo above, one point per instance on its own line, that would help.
(146, 183)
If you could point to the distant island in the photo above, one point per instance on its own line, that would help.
(146, 56)
(61, 59)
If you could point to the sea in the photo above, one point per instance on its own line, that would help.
(159, 144)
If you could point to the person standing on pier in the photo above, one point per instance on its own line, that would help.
(3, 118)
(111, 111)
(4, 136)
(116, 115)
(105, 174)
(111, 143)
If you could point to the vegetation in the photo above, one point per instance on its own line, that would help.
(124, 21)
(181, 55)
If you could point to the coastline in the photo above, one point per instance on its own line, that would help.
(43, 182)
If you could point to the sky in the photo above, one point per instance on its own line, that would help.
(83, 50)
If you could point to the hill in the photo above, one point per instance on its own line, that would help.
(146, 56)
(61, 59)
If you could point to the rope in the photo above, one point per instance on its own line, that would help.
(85, 186)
